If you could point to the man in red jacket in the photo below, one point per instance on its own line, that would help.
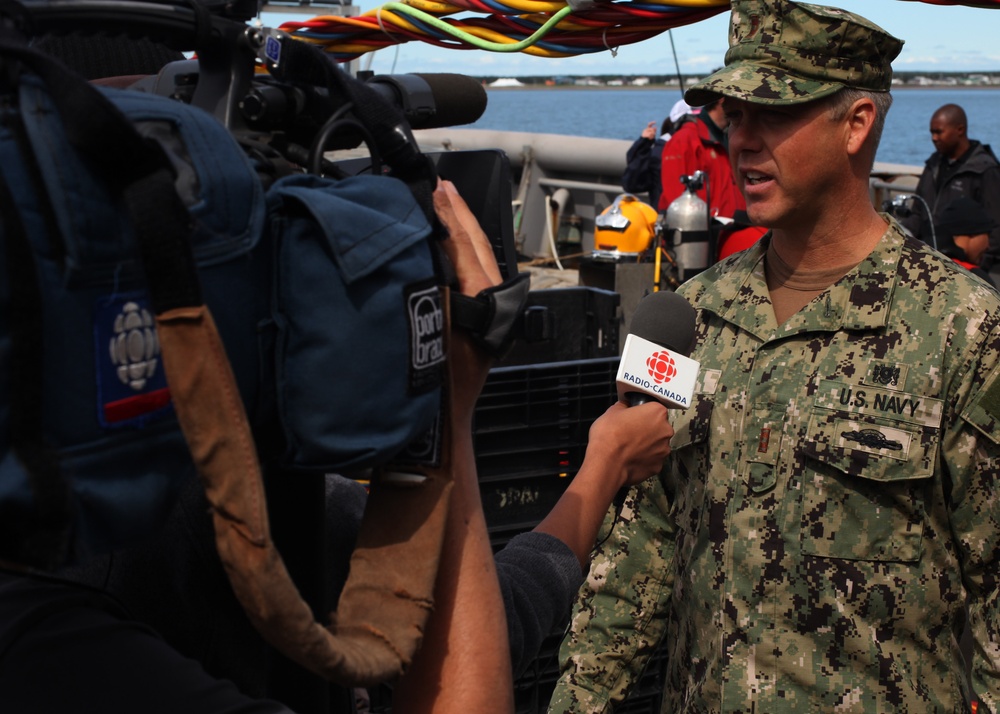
(700, 145)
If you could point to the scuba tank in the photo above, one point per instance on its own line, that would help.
(686, 228)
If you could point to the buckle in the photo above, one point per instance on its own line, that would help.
(492, 316)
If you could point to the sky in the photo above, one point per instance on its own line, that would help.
(938, 38)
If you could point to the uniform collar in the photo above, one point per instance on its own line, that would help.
(860, 300)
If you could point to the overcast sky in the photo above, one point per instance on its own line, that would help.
(938, 37)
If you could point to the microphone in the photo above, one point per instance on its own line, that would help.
(655, 362)
(432, 101)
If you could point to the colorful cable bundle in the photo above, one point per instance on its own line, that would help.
(544, 29)
(535, 27)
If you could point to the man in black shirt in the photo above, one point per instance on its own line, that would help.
(960, 166)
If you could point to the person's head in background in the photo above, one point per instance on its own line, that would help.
(963, 230)
(680, 113)
(949, 131)
(714, 111)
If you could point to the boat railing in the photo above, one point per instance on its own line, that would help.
(562, 183)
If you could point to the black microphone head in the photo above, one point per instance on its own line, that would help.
(666, 319)
(459, 99)
(433, 101)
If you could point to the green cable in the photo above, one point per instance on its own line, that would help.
(472, 39)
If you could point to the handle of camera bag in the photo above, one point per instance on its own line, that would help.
(386, 602)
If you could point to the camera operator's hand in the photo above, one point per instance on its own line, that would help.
(464, 662)
(467, 244)
(476, 268)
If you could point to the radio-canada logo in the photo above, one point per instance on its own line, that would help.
(134, 348)
(132, 388)
(661, 367)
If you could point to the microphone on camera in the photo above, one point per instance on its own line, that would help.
(655, 362)
(432, 101)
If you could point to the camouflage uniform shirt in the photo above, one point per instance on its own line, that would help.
(831, 501)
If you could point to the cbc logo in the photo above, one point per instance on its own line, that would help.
(661, 367)
(134, 346)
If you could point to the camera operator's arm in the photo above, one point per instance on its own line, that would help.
(625, 445)
(464, 663)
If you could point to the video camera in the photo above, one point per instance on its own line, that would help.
(240, 77)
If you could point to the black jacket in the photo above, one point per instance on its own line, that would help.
(976, 175)
(642, 170)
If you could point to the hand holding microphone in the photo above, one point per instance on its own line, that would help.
(655, 368)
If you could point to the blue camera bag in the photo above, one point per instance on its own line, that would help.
(360, 343)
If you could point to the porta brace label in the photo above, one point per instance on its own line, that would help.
(425, 317)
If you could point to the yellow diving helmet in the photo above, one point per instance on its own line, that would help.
(625, 228)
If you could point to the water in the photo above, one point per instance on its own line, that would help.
(622, 114)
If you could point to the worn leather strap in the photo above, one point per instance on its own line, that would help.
(383, 609)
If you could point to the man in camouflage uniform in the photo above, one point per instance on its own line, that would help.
(832, 500)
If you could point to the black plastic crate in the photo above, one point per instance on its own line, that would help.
(530, 434)
(536, 394)
(518, 505)
(565, 324)
(541, 406)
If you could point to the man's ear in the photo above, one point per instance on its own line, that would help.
(860, 119)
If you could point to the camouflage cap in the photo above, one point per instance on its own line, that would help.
(784, 52)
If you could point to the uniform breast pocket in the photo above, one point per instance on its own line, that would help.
(867, 470)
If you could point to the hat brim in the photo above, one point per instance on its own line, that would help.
(758, 84)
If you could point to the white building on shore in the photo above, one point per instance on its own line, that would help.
(506, 82)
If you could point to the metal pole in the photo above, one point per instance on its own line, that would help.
(680, 79)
